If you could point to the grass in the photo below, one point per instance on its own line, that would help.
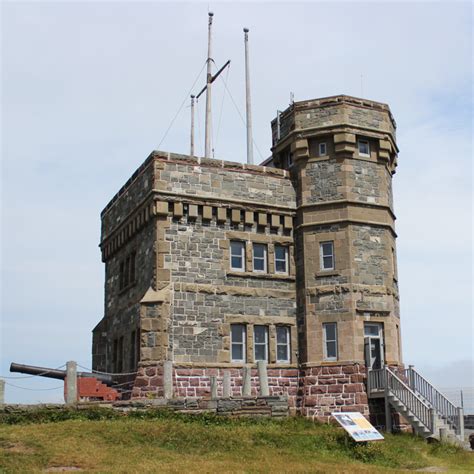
(152, 441)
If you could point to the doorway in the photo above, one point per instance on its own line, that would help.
(374, 345)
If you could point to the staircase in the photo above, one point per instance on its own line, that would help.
(428, 411)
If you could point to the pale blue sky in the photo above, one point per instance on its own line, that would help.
(89, 88)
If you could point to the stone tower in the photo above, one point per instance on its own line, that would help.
(342, 154)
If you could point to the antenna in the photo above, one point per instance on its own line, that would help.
(208, 90)
(192, 126)
(247, 99)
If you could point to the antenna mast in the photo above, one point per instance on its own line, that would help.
(247, 99)
(208, 91)
(192, 126)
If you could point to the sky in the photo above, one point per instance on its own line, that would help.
(89, 89)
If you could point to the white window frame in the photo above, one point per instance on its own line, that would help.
(287, 266)
(242, 255)
(287, 344)
(359, 142)
(326, 341)
(265, 257)
(322, 255)
(323, 149)
(243, 343)
(255, 344)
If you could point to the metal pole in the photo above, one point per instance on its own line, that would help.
(208, 91)
(192, 126)
(247, 99)
(462, 399)
(71, 382)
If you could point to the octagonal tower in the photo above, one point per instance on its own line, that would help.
(342, 154)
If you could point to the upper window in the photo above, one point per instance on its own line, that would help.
(322, 149)
(260, 342)
(283, 343)
(327, 255)
(259, 258)
(127, 271)
(237, 256)
(289, 160)
(281, 259)
(330, 341)
(237, 334)
(364, 148)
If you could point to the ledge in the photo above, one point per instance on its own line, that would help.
(263, 276)
(329, 273)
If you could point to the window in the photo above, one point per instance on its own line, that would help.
(237, 336)
(260, 342)
(330, 341)
(283, 343)
(118, 355)
(127, 271)
(326, 255)
(237, 256)
(133, 351)
(281, 259)
(259, 258)
(289, 160)
(322, 149)
(364, 148)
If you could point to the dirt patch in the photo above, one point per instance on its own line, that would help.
(432, 469)
(62, 469)
(16, 448)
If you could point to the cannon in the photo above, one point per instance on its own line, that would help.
(58, 374)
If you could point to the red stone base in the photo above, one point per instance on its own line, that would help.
(196, 382)
(333, 389)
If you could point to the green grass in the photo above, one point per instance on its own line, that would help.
(158, 441)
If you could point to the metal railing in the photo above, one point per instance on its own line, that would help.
(418, 395)
(385, 379)
(446, 409)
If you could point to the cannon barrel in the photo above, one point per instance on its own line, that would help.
(56, 373)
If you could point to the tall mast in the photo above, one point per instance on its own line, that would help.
(192, 126)
(208, 91)
(247, 100)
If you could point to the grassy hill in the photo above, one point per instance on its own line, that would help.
(157, 441)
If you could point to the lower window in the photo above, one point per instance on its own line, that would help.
(237, 335)
(260, 342)
(283, 343)
(330, 341)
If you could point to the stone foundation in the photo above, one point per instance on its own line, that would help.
(333, 388)
(196, 382)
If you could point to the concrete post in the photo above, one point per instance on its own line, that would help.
(410, 376)
(226, 390)
(213, 379)
(2, 392)
(168, 379)
(460, 428)
(433, 418)
(263, 378)
(388, 413)
(247, 382)
(442, 435)
(71, 382)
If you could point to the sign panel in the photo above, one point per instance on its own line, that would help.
(357, 426)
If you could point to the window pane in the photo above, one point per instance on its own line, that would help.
(371, 329)
(280, 266)
(260, 352)
(237, 248)
(237, 331)
(363, 147)
(237, 352)
(327, 248)
(331, 349)
(258, 250)
(280, 252)
(282, 335)
(327, 262)
(236, 262)
(259, 334)
(259, 264)
(330, 330)
(282, 352)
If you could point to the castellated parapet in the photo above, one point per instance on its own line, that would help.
(213, 264)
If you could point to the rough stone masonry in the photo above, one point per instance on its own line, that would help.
(215, 265)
